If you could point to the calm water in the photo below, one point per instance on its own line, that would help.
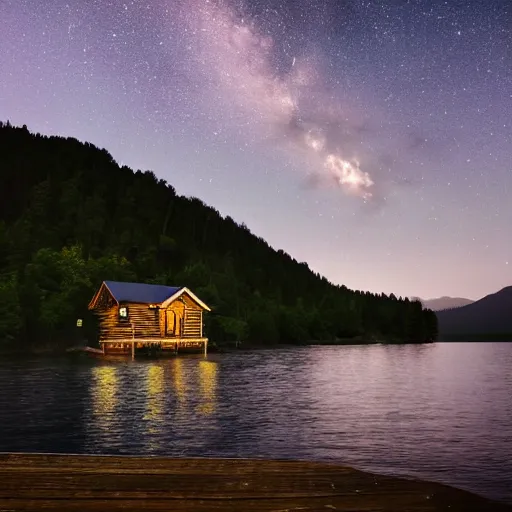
(441, 412)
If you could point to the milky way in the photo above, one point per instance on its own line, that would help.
(370, 139)
(234, 54)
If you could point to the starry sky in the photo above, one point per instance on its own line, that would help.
(371, 139)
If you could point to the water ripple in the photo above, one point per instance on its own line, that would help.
(441, 412)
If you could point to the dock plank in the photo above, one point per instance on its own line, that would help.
(94, 483)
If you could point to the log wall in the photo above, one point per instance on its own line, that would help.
(193, 326)
(151, 323)
(143, 319)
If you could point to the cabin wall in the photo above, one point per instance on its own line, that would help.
(181, 319)
(191, 315)
(193, 326)
(161, 322)
(144, 320)
(191, 304)
(193, 319)
(103, 299)
(185, 316)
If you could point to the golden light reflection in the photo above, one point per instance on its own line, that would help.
(155, 389)
(208, 386)
(178, 381)
(104, 394)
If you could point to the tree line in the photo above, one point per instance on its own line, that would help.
(71, 217)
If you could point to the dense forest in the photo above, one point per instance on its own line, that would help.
(70, 218)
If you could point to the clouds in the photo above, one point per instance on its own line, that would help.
(282, 98)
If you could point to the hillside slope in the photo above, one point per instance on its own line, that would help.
(70, 217)
(445, 303)
(490, 315)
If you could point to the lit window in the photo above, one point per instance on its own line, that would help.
(123, 312)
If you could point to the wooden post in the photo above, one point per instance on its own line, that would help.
(205, 347)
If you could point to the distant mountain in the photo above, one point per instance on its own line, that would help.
(491, 316)
(445, 303)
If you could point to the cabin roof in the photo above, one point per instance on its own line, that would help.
(145, 293)
(140, 292)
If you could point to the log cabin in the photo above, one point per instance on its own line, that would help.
(141, 318)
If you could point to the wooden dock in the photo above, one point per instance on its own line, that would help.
(103, 483)
(154, 347)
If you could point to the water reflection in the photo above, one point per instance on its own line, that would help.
(179, 383)
(154, 408)
(440, 412)
(208, 386)
(155, 389)
(104, 396)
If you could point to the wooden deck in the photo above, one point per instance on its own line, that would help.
(94, 483)
(136, 346)
(155, 339)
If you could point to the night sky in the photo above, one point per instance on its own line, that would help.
(371, 139)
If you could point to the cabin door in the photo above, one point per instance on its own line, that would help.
(172, 323)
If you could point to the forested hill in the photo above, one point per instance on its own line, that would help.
(70, 218)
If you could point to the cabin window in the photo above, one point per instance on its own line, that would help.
(123, 312)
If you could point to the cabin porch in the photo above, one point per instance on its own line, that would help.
(153, 346)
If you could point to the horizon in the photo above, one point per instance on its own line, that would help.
(349, 140)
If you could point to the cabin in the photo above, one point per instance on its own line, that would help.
(141, 318)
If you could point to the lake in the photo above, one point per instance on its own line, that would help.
(441, 412)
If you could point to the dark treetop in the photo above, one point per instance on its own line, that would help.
(70, 218)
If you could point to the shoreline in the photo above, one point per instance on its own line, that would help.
(63, 348)
(97, 482)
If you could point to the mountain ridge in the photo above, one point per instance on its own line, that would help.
(444, 302)
(490, 315)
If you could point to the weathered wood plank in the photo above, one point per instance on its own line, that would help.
(94, 483)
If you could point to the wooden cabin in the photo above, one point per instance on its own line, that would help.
(137, 318)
